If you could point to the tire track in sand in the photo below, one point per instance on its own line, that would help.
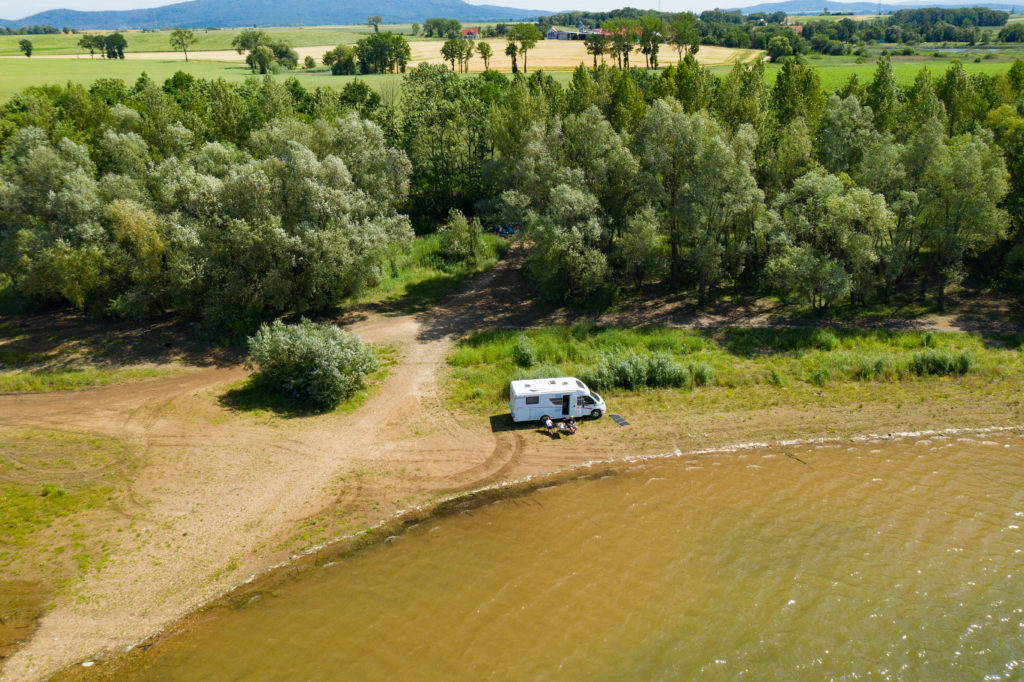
(217, 492)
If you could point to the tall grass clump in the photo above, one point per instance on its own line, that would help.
(633, 371)
(318, 364)
(942, 362)
(664, 372)
(73, 379)
(524, 353)
(822, 339)
(870, 367)
(628, 370)
(703, 374)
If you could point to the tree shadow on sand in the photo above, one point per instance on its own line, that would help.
(252, 397)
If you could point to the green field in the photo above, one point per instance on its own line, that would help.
(19, 74)
(836, 71)
(22, 73)
(620, 360)
(209, 39)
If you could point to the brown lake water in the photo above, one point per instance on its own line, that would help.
(898, 559)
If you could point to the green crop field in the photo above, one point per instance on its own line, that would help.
(19, 74)
(836, 71)
(22, 73)
(209, 39)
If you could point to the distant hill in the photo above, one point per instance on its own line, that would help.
(237, 13)
(816, 6)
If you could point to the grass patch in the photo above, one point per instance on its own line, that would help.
(25, 510)
(17, 358)
(40, 484)
(208, 39)
(38, 381)
(417, 279)
(626, 360)
(250, 396)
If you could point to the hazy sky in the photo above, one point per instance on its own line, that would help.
(16, 9)
(603, 5)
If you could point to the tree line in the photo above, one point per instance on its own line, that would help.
(110, 46)
(42, 29)
(385, 52)
(223, 203)
(708, 184)
(236, 203)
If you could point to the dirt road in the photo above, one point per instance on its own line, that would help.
(216, 496)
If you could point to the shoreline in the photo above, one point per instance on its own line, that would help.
(213, 497)
(330, 552)
(459, 469)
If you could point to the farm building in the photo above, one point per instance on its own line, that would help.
(470, 33)
(563, 33)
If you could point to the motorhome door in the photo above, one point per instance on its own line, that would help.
(566, 405)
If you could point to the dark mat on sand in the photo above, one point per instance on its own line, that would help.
(618, 420)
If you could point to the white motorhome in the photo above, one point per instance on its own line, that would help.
(531, 400)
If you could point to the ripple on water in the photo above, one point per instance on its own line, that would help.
(881, 560)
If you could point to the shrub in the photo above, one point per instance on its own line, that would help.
(596, 376)
(628, 371)
(777, 378)
(819, 377)
(941, 362)
(702, 373)
(462, 241)
(319, 364)
(664, 372)
(823, 340)
(875, 367)
(633, 371)
(524, 353)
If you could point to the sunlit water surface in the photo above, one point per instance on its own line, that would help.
(897, 559)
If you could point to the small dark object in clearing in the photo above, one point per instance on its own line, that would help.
(792, 456)
(618, 420)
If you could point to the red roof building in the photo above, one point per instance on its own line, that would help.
(470, 33)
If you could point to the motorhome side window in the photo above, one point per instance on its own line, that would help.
(532, 400)
(556, 401)
(587, 400)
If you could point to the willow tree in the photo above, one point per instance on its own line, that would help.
(962, 187)
(701, 182)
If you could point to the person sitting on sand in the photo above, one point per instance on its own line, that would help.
(570, 425)
(548, 424)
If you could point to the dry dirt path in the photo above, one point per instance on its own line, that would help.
(216, 496)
